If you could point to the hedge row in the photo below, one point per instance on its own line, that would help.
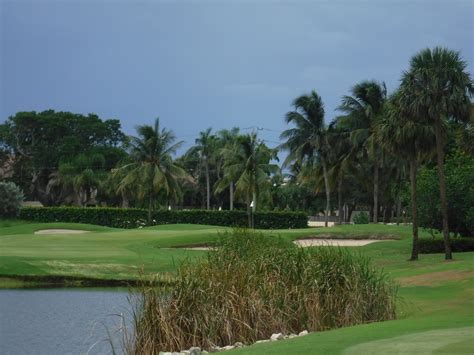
(433, 246)
(133, 218)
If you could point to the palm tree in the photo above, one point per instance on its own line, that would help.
(307, 141)
(152, 170)
(79, 178)
(341, 157)
(365, 107)
(205, 145)
(437, 87)
(227, 139)
(409, 139)
(248, 163)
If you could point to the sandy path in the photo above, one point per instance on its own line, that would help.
(60, 231)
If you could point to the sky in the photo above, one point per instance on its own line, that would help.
(219, 64)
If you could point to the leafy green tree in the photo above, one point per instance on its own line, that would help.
(11, 198)
(39, 142)
(437, 88)
(307, 142)
(152, 170)
(459, 194)
(364, 107)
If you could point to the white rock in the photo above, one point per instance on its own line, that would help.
(165, 353)
(195, 350)
(291, 336)
(228, 347)
(262, 341)
(276, 336)
(303, 333)
(239, 345)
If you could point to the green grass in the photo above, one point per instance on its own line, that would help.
(435, 295)
(104, 253)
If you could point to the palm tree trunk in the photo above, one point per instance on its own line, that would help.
(254, 207)
(399, 208)
(376, 189)
(150, 205)
(150, 197)
(249, 212)
(413, 172)
(208, 187)
(328, 192)
(231, 197)
(339, 199)
(442, 189)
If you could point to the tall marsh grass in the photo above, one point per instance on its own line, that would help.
(255, 285)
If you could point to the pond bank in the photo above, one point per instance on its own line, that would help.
(48, 281)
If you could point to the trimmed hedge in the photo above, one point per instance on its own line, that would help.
(134, 217)
(436, 245)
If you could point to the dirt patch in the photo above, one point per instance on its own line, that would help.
(316, 242)
(60, 231)
(435, 278)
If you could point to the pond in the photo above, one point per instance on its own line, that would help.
(61, 321)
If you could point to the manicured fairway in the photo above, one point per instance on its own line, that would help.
(436, 307)
(108, 253)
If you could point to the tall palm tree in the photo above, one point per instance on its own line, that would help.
(437, 87)
(307, 141)
(227, 139)
(341, 158)
(205, 147)
(365, 106)
(248, 162)
(408, 139)
(153, 170)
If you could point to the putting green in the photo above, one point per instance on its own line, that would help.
(443, 341)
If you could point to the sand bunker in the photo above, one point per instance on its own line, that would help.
(60, 231)
(314, 242)
(334, 242)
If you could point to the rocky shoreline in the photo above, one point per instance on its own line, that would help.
(198, 351)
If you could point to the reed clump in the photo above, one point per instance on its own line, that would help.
(254, 285)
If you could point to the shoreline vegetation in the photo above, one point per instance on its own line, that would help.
(254, 286)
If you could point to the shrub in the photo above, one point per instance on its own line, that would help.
(459, 172)
(134, 217)
(436, 245)
(10, 199)
(253, 286)
(361, 218)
